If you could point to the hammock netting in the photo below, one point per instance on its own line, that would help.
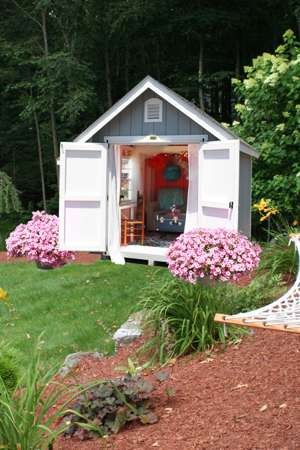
(282, 314)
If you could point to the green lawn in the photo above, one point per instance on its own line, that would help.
(78, 307)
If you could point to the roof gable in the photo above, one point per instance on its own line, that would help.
(183, 105)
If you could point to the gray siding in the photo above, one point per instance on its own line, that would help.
(245, 194)
(130, 122)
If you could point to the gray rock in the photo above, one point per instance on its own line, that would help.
(73, 359)
(130, 330)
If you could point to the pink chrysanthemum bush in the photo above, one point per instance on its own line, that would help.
(38, 241)
(218, 254)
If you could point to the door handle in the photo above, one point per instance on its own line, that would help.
(230, 205)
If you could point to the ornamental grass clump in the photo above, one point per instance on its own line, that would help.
(219, 254)
(38, 241)
(29, 413)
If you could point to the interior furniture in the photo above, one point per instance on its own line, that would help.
(128, 205)
(170, 216)
(133, 225)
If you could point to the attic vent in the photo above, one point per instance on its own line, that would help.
(153, 110)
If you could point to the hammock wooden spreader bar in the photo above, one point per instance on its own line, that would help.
(281, 315)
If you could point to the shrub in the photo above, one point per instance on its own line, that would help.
(107, 406)
(262, 290)
(38, 241)
(181, 316)
(27, 415)
(9, 196)
(278, 257)
(217, 254)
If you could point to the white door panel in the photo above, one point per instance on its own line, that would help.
(83, 196)
(219, 184)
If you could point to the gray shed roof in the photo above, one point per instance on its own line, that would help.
(182, 104)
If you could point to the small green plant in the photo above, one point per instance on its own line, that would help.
(9, 368)
(132, 369)
(181, 317)
(26, 413)
(105, 407)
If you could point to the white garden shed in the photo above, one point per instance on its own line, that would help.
(152, 145)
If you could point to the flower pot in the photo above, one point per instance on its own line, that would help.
(43, 266)
(206, 281)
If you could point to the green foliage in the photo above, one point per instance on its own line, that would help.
(106, 407)
(27, 416)
(9, 196)
(269, 118)
(181, 315)
(98, 50)
(182, 318)
(278, 257)
(9, 368)
(262, 290)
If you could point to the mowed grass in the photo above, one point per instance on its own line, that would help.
(77, 307)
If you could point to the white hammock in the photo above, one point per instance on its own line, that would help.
(282, 315)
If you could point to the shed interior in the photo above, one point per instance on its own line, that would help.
(153, 189)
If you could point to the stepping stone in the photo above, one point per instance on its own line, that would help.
(130, 330)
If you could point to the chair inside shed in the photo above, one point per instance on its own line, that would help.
(153, 193)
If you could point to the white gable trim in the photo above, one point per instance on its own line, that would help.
(175, 100)
(157, 140)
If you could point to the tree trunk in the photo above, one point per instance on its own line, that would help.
(200, 73)
(297, 14)
(107, 77)
(40, 153)
(237, 59)
(126, 68)
(158, 59)
(51, 109)
(226, 100)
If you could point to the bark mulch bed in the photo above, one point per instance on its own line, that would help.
(247, 397)
(80, 258)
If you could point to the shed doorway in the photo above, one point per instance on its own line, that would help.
(153, 198)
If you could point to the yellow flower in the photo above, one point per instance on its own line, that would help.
(3, 295)
(265, 209)
(261, 205)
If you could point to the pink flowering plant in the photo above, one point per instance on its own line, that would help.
(38, 241)
(218, 254)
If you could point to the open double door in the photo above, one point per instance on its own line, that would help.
(83, 191)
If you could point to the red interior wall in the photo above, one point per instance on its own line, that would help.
(161, 182)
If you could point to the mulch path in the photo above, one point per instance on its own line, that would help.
(247, 397)
(80, 258)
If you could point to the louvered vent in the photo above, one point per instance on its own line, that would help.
(153, 110)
